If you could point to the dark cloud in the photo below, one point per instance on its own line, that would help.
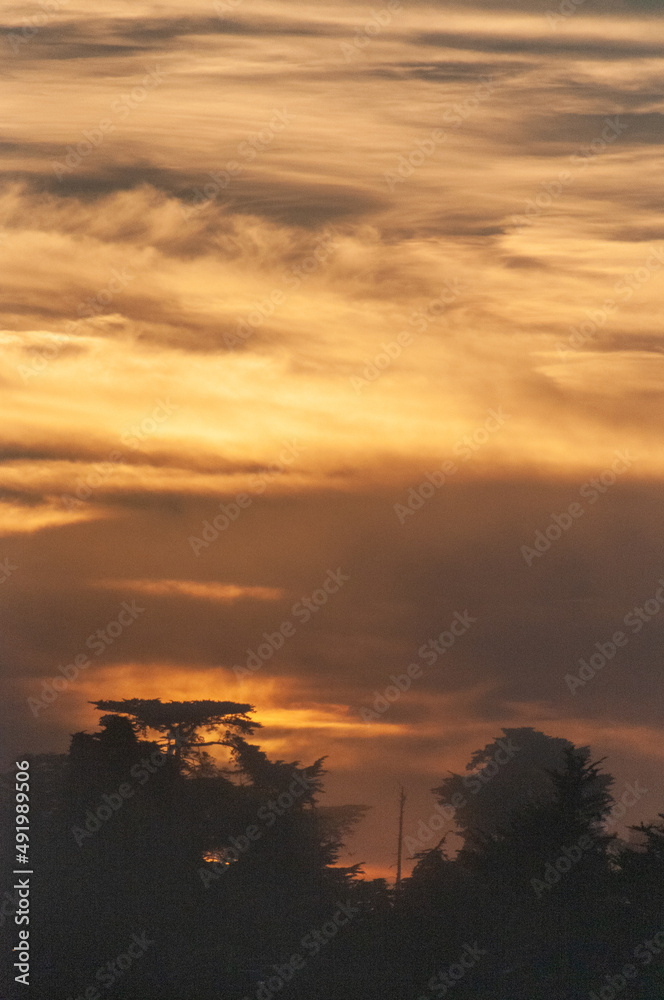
(525, 263)
(98, 180)
(587, 8)
(470, 223)
(446, 71)
(652, 343)
(461, 552)
(307, 204)
(294, 202)
(79, 38)
(25, 497)
(59, 41)
(630, 128)
(10, 148)
(591, 47)
(12, 310)
(639, 234)
(164, 29)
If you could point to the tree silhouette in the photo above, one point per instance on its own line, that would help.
(180, 722)
(229, 870)
(642, 883)
(511, 772)
(548, 884)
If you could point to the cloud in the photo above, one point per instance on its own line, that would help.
(196, 589)
(641, 129)
(583, 47)
(17, 519)
(328, 327)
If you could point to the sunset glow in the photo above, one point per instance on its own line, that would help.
(313, 335)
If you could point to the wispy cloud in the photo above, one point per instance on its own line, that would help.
(226, 593)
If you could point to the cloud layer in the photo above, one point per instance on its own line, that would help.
(292, 292)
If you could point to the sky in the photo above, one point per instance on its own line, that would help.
(328, 330)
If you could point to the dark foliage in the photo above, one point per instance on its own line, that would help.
(162, 876)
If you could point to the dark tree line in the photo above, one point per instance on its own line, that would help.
(163, 876)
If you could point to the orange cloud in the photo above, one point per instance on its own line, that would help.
(226, 593)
